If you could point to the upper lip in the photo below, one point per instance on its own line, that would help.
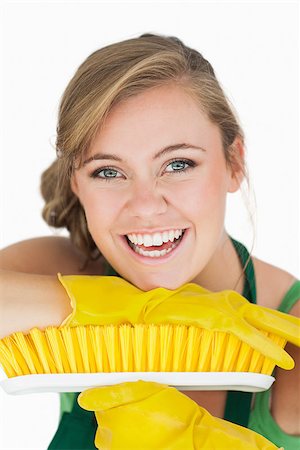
(157, 230)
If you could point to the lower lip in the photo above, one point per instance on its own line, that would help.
(155, 260)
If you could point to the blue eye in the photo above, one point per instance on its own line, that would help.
(180, 165)
(106, 173)
(111, 174)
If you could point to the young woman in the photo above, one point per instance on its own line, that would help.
(147, 150)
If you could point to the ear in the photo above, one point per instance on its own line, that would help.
(236, 165)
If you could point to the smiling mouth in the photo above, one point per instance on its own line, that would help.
(155, 251)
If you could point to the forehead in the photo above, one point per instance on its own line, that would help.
(158, 117)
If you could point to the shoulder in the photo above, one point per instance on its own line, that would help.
(272, 283)
(48, 255)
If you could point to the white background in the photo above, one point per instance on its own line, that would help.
(254, 49)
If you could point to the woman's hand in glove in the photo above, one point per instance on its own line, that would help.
(100, 300)
(147, 415)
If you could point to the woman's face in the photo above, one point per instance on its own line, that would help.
(156, 167)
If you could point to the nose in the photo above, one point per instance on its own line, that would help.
(146, 201)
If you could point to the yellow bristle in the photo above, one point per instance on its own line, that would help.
(191, 354)
(153, 348)
(268, 364)
(17, 360)
(82, 347)
(267, 367)
(110, 334)
(139, 347)
(86, 351)
(257, 360)
(125, 334)
(58, 350)
(73, 352)
(6, 360)
(27, 349)
(192, 348)
(218, 349)
(205, 349)
(231, 353)
(93, 364)
(77, 351)
(166, 333)
(139, 340)
(244, 359)
(42, 350)
(179, 347)
(100, 351)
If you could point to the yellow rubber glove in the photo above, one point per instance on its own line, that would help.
(101, 300)
(147, 415)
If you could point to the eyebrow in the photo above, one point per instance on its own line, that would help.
(159, 154)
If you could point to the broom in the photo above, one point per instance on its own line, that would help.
(119, 336)
(130, 348)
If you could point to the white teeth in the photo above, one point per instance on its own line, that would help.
(157, 239)
(136, 249)
(171, 235)
(153, 253)
(165, 236)
(148, 240)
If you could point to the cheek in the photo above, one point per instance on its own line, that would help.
(216, 185)
(204, 195)
(101, 210)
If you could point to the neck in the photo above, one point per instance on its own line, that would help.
(224, 270)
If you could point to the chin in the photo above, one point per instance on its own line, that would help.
(157, 282)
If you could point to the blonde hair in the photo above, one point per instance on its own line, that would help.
(108, 76)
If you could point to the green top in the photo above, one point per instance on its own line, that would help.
(261, 419)
(77, 427)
